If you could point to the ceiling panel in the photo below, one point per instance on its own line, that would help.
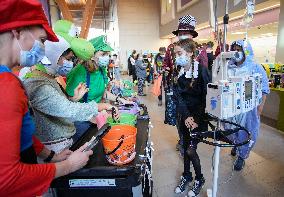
(77, 8)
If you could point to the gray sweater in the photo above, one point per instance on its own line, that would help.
(54, 112)
(140, 68)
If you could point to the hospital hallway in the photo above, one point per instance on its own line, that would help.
(263, 174)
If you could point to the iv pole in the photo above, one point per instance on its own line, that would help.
(213, 193)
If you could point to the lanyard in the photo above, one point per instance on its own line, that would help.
(85, 97)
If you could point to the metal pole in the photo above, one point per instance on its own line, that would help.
(216, 164)
(226, 20)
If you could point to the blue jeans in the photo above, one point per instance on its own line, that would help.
(117, 73)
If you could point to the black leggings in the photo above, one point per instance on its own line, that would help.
(190, 151)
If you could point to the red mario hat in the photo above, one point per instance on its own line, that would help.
(21, 13)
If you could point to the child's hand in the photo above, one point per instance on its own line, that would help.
(79, 92)
(189, 123)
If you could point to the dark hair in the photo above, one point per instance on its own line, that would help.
(162, 49)
(210, 44)
(133, 52)
(137, 56)
(69, 50)
(188, 45)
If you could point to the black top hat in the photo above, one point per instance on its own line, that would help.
(186, 23)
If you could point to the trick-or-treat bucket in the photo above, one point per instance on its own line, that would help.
(119, 144)
(125, 119)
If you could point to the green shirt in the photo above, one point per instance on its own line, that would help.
(97, 86)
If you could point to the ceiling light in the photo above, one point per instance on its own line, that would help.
(238, 33)
(267, 34)
(202, 39)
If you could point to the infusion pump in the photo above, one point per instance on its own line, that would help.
(229, 96)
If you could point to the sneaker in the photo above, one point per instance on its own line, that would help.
(234, 151)
(184, 181)
(159, 103)
(239, 164)
(196, 188)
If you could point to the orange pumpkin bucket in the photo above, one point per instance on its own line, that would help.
(119, 144)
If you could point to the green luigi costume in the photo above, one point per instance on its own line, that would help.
(81, 47)
(96, 81)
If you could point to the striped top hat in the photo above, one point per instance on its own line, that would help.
(186, 23)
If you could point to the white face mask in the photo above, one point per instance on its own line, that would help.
(183, 37)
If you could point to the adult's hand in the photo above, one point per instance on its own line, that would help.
(78, 158)
(63, 155)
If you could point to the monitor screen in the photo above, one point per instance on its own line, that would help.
(248, 90)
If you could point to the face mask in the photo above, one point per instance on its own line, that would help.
(183, 37)
(182, 61)
(239, 56)
(103, 61)
(33, 56)
(65, 68)
(162, 56)
(149, 59)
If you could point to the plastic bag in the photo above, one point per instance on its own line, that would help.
(156, 90)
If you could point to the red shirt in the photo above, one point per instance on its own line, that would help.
(17, 178)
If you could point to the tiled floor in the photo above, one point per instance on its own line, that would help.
(263, 174)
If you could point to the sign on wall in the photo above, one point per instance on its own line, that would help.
(183, 4)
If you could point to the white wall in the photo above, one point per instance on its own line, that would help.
(54, 12)
(264, 48)
(280, 43)
(138, 27)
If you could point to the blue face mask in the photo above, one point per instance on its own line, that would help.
(182, 61)
(103, 61)
(65, 68)
(33, 56)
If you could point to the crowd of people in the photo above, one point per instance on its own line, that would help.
(63, 88)
(186, 69)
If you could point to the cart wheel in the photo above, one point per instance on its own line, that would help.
(147, 187)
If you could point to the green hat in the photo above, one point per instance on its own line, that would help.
(100, 44)
(82, 48)
(66, 27)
